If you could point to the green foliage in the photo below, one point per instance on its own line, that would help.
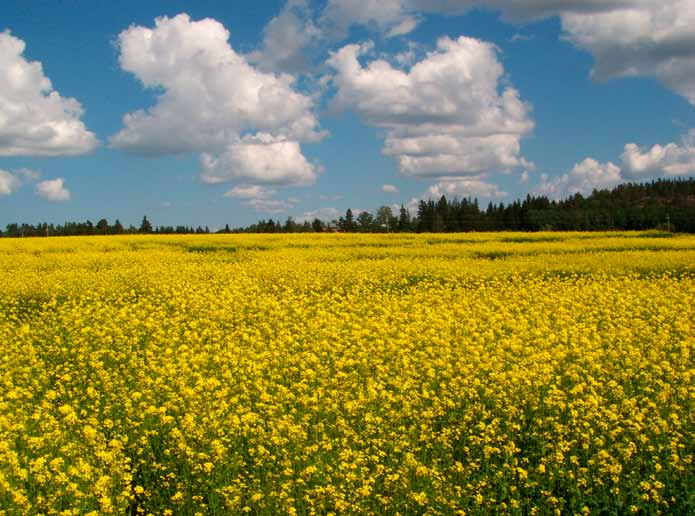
(665, 206)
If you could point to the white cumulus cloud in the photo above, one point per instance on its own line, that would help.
(9, 182)
(640, 38)
(448, 115)
(636, 164)
(261, 199)
(394, 17)
(259, 159)
(287, 40)
(390, 189)
(464, 188)
(247, 123)
(324, 214)
(669, 160)
(405, 26)
(34, 119)
(584, 178)
(250, 192)
(531, 10)
(625, 37)
(53, 190)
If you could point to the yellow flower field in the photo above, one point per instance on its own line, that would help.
(548, 373)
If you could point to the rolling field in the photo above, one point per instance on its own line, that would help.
(546, 373)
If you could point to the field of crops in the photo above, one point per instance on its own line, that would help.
(506, 373)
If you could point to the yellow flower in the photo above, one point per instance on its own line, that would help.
(347, 373)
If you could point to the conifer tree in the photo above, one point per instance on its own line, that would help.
(145, 226)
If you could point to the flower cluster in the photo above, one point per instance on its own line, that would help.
(548, 373)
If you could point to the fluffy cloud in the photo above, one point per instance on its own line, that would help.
(211, 93)
(404, 27)
(34, 119)
(287, 39)
(625, 37)
(294, 38)
(325, 214)
(390, 189)
(9, 183)
(530, 10)
(446, 116)
(247, 123)
(643, 38)
(412, 206)
(385, 15)
(669, 160)
(395, 17)
(636, 164)
(261, 199)
(390, 16)
(464, 188)
(53, 190)
(250, 192)
(585, 177)
(259, 159)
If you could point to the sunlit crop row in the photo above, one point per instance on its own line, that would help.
(348, 374)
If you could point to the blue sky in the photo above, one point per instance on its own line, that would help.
(309, 108)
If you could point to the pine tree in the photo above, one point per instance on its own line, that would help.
(145, 226)
(349, 221)
(403, 220)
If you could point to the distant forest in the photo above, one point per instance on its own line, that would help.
(668, 205)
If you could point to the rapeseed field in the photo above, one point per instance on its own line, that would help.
(548, 373)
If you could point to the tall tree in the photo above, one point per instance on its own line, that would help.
(385, 220)
(403, 219)
(102, 226)
(145, 226)
(365, 221)
(290, 226)
(348, 221)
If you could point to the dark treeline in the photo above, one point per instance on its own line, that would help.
(102, 227)
(662, 204)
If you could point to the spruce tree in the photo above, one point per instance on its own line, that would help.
(145, 226)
